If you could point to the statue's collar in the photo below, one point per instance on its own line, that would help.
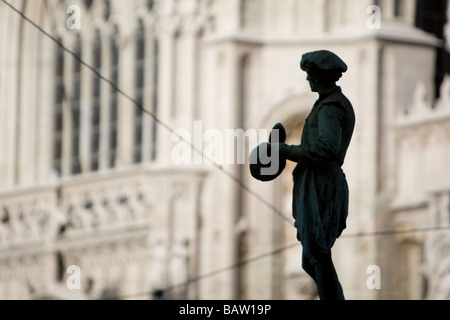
(329, 92)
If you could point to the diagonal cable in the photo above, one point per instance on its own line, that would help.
(383, 233)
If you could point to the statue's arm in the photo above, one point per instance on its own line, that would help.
(330, 119)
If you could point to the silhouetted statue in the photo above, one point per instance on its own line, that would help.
(320, 193)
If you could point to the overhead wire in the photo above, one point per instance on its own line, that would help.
(275, 252)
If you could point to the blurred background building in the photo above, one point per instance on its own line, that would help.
(87, 178)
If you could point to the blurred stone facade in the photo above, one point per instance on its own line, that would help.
(87, 180)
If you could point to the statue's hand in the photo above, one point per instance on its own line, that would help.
(280, 147)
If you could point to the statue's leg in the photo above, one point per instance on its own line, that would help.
(328, 284)
(309, 268)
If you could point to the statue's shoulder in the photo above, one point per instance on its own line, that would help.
(338, 99)
(341, 102)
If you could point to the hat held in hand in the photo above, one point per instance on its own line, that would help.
(263, 165)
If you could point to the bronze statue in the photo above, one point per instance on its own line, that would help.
(320, 193)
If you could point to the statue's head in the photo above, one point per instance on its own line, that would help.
(324, 69)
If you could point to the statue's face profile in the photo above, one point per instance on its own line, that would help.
(313, 82)
(321, 84)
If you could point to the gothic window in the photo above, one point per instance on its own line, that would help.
(60, 267)
(76, 110)
(177, 55)
(113, 112)
(155, 94)
(88, 3)
(397, 8)
(58, 111)
(139, 93)
(96, 103)
(198, 72)
(244, 94)
(150, 4)
(107, 12)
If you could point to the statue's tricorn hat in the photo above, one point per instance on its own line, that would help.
(322, 62)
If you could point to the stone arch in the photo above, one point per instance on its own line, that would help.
(288, 108)
(89, 31)
(114, 26)
(146, 15)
